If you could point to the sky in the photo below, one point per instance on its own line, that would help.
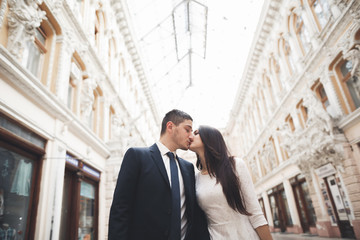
(228, 32)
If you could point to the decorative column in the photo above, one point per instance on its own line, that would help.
(292, 206)
(2, 11)
(64, 65)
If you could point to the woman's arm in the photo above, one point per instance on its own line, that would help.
(264, 232)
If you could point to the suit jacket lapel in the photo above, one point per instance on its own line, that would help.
(157, 158)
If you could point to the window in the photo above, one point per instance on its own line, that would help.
(276, 70)
(262, 205)
(95, 118)
(35, 51)
(304, 203)
(19, 179)
(289, 120)
(80, 201)
(301, 33)
(302, 113)
(285, 47)
(320, 92)
(321, 11)
(351, 84)
(279, 208)
(270, 90)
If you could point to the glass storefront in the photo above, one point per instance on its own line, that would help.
(15, 190)
(20, 154)
(80, 201)
(86, 211)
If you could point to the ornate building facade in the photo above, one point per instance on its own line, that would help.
(296, 118)
(73, 97)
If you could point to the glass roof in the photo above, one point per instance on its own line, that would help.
(194, 51)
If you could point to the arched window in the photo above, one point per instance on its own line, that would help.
(276, 72)
(301, 32)
(99, 29)
(302, 113)
(287, 53)
(321, 12)
(270, 90)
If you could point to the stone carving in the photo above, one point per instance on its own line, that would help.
(117, 125)
(24, 17)
(353, 55)
(87, 96)
(316, 112)
(318, 143)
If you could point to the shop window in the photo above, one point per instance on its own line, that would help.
(279, 208)
(20, 161)
(80, 201)
(321, 12)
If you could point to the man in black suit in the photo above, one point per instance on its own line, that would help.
(155, 197)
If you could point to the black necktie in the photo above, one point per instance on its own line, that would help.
(175, 231)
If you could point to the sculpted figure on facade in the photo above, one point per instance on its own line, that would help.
(117, 125)
(87, 96)
(23, 19)
(316, 113)
(353, 55)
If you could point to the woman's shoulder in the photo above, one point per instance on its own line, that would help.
(239, 163)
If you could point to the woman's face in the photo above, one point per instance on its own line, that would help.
(197, 144)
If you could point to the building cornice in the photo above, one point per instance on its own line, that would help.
(122, 18)
(268, 16)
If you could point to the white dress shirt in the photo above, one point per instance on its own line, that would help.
(163, 150)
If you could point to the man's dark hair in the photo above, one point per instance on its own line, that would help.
(176, 116)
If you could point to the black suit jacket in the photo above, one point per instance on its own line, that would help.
(141, 207)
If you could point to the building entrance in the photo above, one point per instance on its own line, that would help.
(341, 206)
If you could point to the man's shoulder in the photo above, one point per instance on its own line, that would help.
(141, 149)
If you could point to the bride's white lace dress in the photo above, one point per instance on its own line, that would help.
(223, 222)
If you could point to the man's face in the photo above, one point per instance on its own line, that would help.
(183, 135)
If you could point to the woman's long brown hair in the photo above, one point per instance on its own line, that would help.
(221, 165)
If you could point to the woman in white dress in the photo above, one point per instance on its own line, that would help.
(225, 191)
